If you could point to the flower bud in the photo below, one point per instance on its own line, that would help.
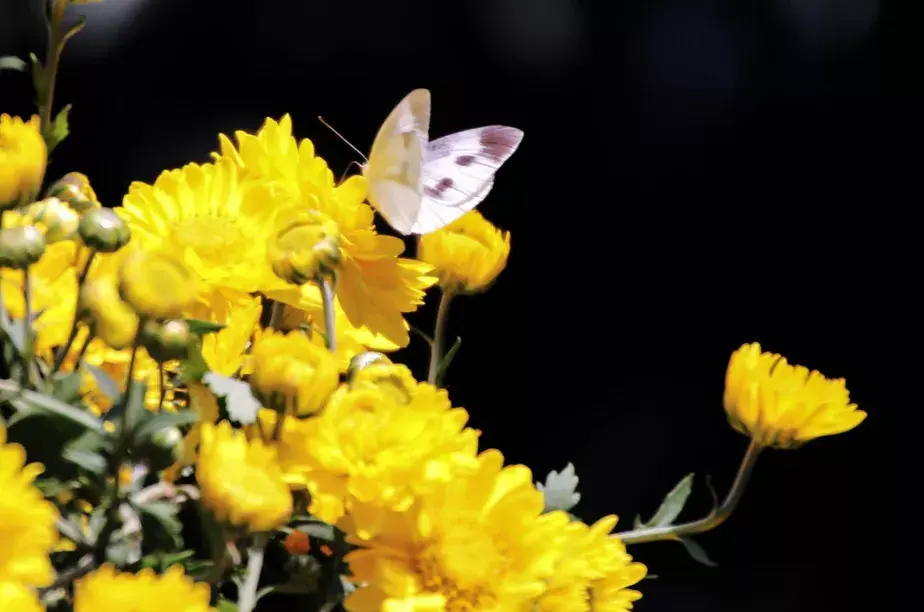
(58, 219)
(306, 244)
(363, 360)
(166, 341)
(392, 379)
(291, 373)
(20, 247)
(164, 448)
(103, 230)
(156, 284)
(112, 319)
(468, 254)
(74, 188)
(23, 156)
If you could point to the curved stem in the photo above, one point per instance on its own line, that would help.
(712, 520)
(439, 331)
(327, 293)
(247, 599)
(163, 386)
(64, 350)
(51, 62)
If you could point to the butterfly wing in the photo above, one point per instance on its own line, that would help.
(396, 160)
(458, 173)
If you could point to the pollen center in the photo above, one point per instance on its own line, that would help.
(461, 566)
(210, 237)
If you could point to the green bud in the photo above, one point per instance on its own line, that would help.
(59, 219)
(164, 448)
(74, 188)
(20, 247)
(166, 341)
(103, 230)
(363, 361)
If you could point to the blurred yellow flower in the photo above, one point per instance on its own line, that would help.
(22, 159)
(108, 589)
(239, 312)
(782, 405)
(350, 340)
(204, 402)
(375, 287)
(240, 480)
(157, 283)
(291, 373)
(382, 442)
(304, 245)
(111, 319)
(55, 218)
(16, 597)
(477, 542)
(27, 522)
(593, 571)
(468, 254)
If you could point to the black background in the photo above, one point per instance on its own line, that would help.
(696, 174)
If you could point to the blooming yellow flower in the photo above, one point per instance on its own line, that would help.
(782, 405)
(477, 542)
(291, 372)
(22, 159)
(375, 286)
(112, 320)
(239, 312)
(593, 571)
(382, 442)
(241, 482)
(108, 589)
(157, 283)
(468, 254)
(15, 596)
(27, 528)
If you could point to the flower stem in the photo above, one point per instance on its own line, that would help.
(27, 326)
(439, 332)
(64, 350)
(327, 294)
(163, 386)
(51, 59)
(712, 520)
(247, 599)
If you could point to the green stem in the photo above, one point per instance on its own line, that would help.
(439, 331)
(64, 350)
(247, 599)
(163, 386)
(27, 325)
(327, 294)
(712, 520)
(51, 63)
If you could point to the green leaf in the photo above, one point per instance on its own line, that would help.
(93, 463)
(11, 62)
(29, 402)
(226, 606)
(38, 77)
(105, 384)
(162, 420)
(161, 561)
(194, 367)
(318, 530)
(447, 360)
(66, 387)
(160, 525)
(52, 487)
(560, 489)
(697, 552)
(58, 130)
(240, 403)
(200, 327)
(15, 331)
(672, 505)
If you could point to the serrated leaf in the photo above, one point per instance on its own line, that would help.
(560, 489)
(66, 387)
(105, 384)
(447, 361)
(58, 130)
(11, 62)
(200, 327)
(240, 403)
(673, 503)
(697, 552)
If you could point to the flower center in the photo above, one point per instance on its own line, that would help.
(461, 566)
(210, 237)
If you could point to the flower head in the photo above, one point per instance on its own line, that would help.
(239, 312)
(75, 189)
(782, 405)
(476, 542)
(156, 283)
(23, 156)
(291, 372)
(103, 230)
(112, 319)
(240, 480)
(110, 589)
(468, 254)
(21, 247)
(306, 244)
(15, 596)
(27, 529)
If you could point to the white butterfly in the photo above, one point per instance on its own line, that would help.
(421, 186)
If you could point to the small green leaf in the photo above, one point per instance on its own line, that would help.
(15, 330)
(200, 327)
(560, 489)
(161, 561)
(38, 77)
(93, 463)
(697, 552)
(11, 62)
(673, 503)
(29, 402)
(79, 25)
(226, 606)
(58, 130)
(194, 367)
(240, 403)
(52, 487)
(66, 387)
(161, 420)
(447, 361)
(105, 384)
(160, 525)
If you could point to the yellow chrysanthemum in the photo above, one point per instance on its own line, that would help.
(27, 521)
(218, 226)
(108, 589)
(205, 404)
(112, 320)
(375, 286)
(239, 312)
(468, 254)
(240, 480)
(16, 597)
(22, 159)
(593, 572)
(381, 442)
(477, 542)
(157, 283)
(782, 405)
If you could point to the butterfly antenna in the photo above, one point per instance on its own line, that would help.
(340, 136)
(352, 163)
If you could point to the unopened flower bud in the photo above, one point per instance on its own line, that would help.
(165, 447)
(59, 220)
(103, 230)
(112, 320)
(392, 379)
(74, 188)
(166, 341)
(20, 247)
(362, 361)
(306, 244)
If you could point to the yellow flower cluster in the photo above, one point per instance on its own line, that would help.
(108, 589)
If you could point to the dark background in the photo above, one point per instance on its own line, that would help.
(696, 174)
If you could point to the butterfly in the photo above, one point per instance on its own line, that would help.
(419, 186)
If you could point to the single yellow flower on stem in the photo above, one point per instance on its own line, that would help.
(240, 480)
(782, 405)
(23, 156)
(157, 284)
(476, 542)
(109, 589)
(290, 373)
